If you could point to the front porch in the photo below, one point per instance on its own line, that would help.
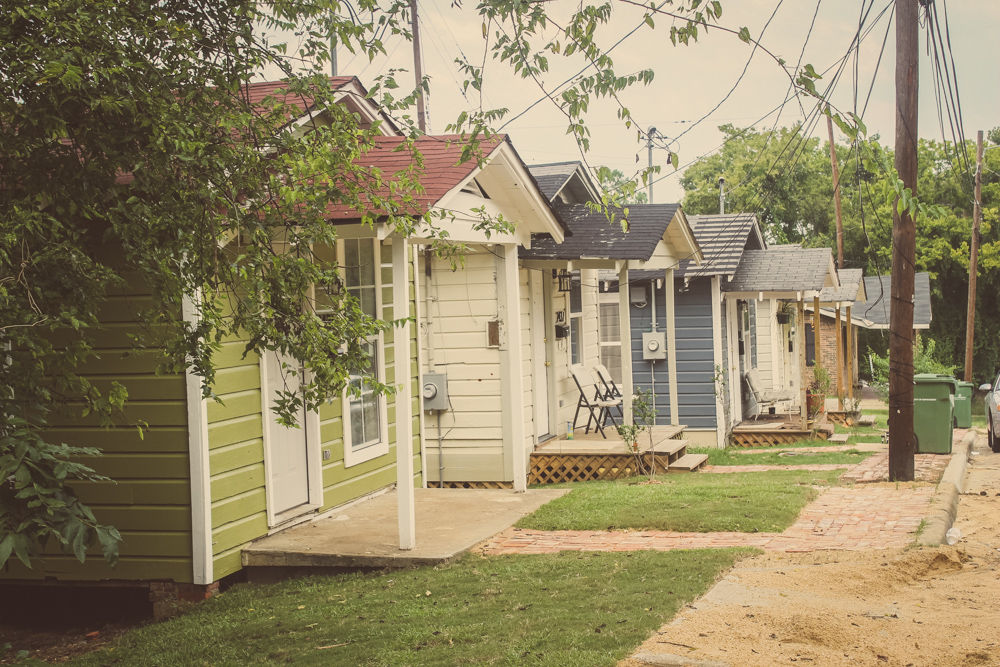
(589, 457)
(364, 535)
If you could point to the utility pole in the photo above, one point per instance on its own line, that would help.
(417, 67)
(836, 195)
(902, 444)
(977, 215)
(649, 149)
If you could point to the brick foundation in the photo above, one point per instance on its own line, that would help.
(169, 598)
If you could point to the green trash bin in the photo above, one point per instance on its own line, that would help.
(933, 412)
(963, 405)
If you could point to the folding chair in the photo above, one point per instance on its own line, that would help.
(765, 398)
(588, 386)
(611, 390)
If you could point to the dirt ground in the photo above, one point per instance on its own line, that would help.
(915, 608)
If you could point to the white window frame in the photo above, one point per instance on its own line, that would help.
(572, 315)
(379, 448)
(609, 299)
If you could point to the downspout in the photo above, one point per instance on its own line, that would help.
(429, 321)
(652, 362)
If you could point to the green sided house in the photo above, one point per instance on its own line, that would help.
(206, 477)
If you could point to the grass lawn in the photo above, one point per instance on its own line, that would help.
(580, 609)
(702, 503)
(770, 456)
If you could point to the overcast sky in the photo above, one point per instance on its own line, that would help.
(691, 81)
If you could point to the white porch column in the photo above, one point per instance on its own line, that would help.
(404, 395)
(721, 422)
(625, 326)
(511, 363)
(675, 419)
(800, 342)
(735, 378)
(201, 502)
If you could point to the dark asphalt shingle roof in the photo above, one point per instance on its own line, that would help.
(781, 269)
(722, 239)
(874, 312)
(850, 283)
(597, 237)
(552, 177)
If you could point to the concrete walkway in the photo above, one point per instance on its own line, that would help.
(365, 535)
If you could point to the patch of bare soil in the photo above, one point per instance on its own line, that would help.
(921, 607)
(56, 646)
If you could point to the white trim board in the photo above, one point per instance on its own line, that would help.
(201, 483)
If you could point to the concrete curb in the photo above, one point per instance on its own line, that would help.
(944, 507)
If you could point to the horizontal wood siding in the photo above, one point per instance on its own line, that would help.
(695, 362)
(236, 458)
(149, 498)
(342, 484)
(461, 303)
(650, 375)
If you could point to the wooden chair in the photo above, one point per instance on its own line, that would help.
(598, 406)
(766, 398)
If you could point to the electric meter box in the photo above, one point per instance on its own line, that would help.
(435, 391)
(654, 345)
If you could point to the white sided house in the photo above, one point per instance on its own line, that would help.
(481, 317)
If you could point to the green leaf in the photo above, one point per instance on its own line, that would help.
(6, 547)
(744, 35)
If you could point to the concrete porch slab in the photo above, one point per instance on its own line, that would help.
(365, 535)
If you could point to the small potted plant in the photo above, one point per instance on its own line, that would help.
(816, 395)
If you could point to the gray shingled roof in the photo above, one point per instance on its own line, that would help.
(781, 269)
(552, 177)
(722, 239)
(594, 236)
(874, 313)
(850, 284)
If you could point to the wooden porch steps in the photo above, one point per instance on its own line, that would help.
(688, 463)
(840, 438)
(673, 449)
(825, 431)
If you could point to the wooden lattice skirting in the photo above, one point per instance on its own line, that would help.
(768, 438)
(471, 485)
(556, 468)
(838, 417)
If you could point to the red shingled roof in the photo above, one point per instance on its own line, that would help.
(256, 92)
(441, 170)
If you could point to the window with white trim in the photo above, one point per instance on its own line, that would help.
(364, 412)
(575, 319)
(611, 335)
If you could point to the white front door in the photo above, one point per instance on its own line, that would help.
(288, 460)
(539, 357)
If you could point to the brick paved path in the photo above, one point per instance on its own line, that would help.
(842, 518)
(764, 468)
(858, 518)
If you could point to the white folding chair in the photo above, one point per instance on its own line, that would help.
(598, 406)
